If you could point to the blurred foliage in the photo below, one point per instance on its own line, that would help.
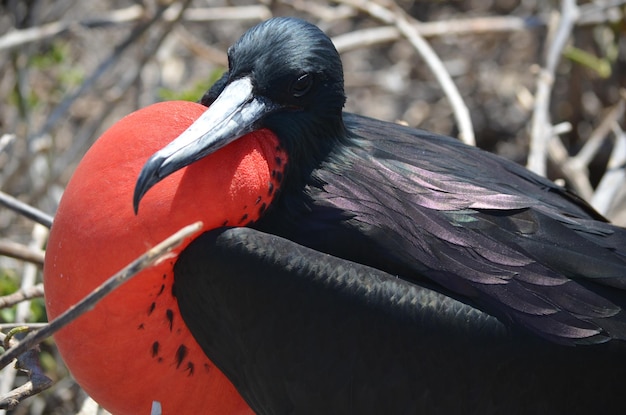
(193, 93)
(9, 283)
(61, 90)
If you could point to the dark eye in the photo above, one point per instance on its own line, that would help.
(302, 85)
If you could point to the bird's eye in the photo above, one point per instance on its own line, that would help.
(302, 85)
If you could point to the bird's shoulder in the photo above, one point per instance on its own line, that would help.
(417, 204)
(450, 174)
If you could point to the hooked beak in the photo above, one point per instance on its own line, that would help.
(234, 113)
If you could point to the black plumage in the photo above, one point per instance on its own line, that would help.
(396, 270)
(301, 332)
(419, 205)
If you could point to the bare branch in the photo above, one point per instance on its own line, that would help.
(207, 14)
(36, 291)
(365, 38)
(407, 26)
(25, 210)
(31, 326)
(577, 177)
(476, 25)
(575, 168)
(322, 11)
(28, 363)
(29, 274)
(597, 137)
(592, 13)
(589, 14)
(614, 177)
(19, 251)
(19, 37)
(541, 125)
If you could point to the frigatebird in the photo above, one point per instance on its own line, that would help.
(349, 265)
(395, 270)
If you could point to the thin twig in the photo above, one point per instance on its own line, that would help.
(87, 303)
(29, 364)
(615, 175)
(576, 168)
(29, 361)
(364, 38)
(590, 14)
(25, 210)
(30, 271)
(32, 326)
(200, 48)
(577, 177)
(322, 11)
(20, 37)
(407, 26)
(38, 381)
(36, 291)
(18, 251)
(593, 144)
(208, 14)
(541, 125)
(475, 25)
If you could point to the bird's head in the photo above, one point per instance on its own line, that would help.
(285, 75)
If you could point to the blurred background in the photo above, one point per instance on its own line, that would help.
(528, 72)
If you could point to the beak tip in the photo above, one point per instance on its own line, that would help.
(137, 196)
(148, 177)
(136, 200)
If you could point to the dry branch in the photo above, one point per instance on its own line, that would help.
(590, 14)
(20, 37)
(586, 154)
(615, 176)
(407, 26)
(19, 251)
(541, 125)
(28, 363)
(36, 291)
(209, 14)
(30, 326)
(25, 209)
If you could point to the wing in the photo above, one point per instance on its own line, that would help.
(302, 332)
(485, 229)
